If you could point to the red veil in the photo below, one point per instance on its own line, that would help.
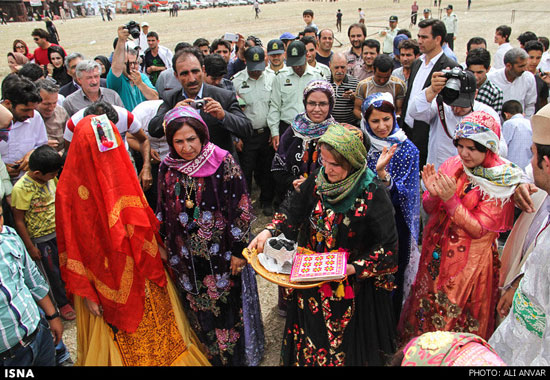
(107, 233)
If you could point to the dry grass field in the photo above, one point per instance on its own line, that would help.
(91, 36)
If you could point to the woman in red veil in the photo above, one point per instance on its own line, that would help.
(128, 311)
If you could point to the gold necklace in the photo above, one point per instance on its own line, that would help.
(189, 188)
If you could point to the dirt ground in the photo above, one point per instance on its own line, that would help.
(92, 37)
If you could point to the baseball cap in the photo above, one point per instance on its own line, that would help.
(296, 54)
(145, 23)
(427, 10)
(449, 6)
(287, 36)
(396, 41)
(393, 18)
(255, 58)
(275, 46)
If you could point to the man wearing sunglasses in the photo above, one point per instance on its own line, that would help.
(40, 37)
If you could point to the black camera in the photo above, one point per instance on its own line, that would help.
(133, 28)
(458, 82)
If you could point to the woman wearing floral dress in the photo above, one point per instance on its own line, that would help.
(468, 203)
(205, 214)
(341, 207)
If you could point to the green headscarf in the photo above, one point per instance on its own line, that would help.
(348, 141)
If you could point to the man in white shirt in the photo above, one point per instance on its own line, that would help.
(515, 81)
(502, 38)
(425, 107)
(27, 131)
(125, 123)
(518, 134)
(431, 35)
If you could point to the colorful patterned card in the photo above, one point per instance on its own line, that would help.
(313, 266)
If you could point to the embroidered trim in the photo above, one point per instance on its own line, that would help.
(531, 316)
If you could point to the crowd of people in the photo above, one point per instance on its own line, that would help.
(127, 183)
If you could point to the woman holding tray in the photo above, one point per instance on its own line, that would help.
(394, 158)
(469, 203)
(343, 207)
(297, 155)
(205, 215)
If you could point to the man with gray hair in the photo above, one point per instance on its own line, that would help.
(515, 81)
(71, 61)
(87, 74)
(55, 117)
(125, 77)
(344, 86)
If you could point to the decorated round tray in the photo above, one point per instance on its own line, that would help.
(276, 278)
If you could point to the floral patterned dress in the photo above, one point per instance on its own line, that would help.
(200, 241)
(342, 323)
(457, 281)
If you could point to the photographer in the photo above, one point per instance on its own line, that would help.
(426, 105)
(124, 77)
(218, 107)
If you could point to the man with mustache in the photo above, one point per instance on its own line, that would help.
(88, 75)
(219, 107)
(356, 34)
(344, 86)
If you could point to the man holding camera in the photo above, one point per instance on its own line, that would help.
(431, 36)
(125, 77)
(219, 107)
(453, 93)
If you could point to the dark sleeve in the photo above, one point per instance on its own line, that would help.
(156, 128)
(295, 210)
(238, 206)
(378, 255)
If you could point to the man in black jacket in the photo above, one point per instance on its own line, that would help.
(431, 36)
(220, 111)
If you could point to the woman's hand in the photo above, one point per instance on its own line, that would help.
(236, 265)
(429, 176)
(94, 308)
(258, 242)
(350, 269)
(446, 187)
(385, 158)
(298, 182)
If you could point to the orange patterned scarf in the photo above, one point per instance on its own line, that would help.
(106, 231)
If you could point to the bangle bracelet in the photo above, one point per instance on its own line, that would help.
(53, 316)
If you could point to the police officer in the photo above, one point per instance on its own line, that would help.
(253, 87)
(451, 24)
(286, 100)
(275, 56)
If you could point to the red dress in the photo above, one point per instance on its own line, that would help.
(457, 281)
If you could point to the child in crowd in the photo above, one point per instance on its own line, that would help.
(308, 16)
(33, 205)
(517, 132)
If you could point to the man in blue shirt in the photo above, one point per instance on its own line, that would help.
(124, 76)
(26, 339)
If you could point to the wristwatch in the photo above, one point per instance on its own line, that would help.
(53, 316)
